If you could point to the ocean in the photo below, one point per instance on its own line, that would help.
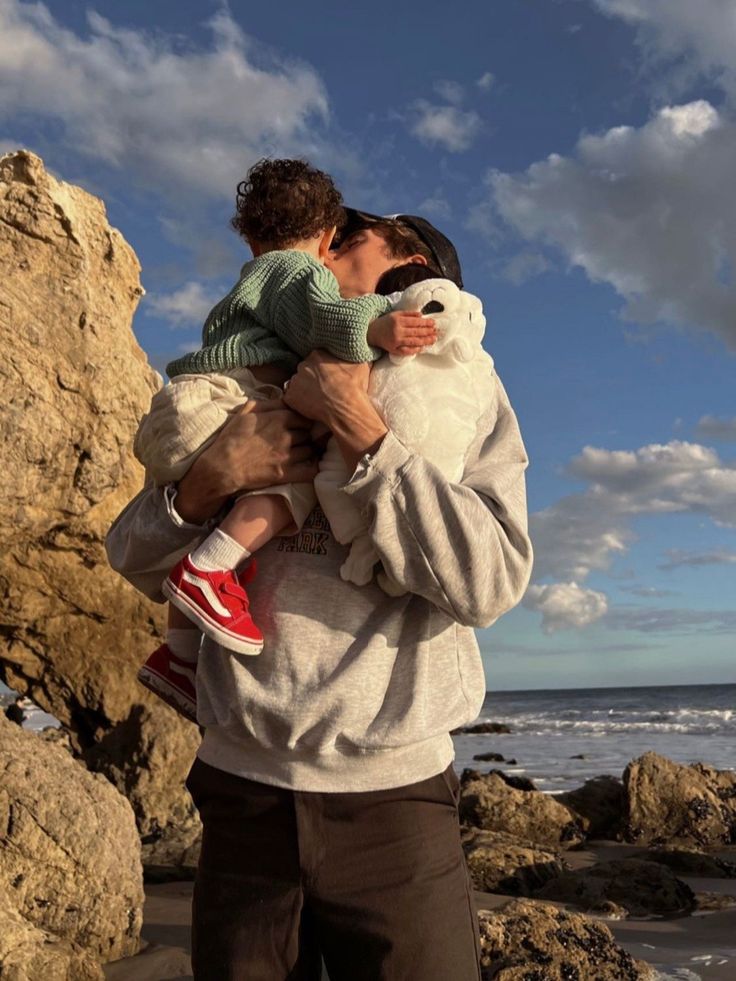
(607, 727)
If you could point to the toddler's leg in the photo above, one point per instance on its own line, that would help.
(255, 520)
(205, 585)
(169, 671)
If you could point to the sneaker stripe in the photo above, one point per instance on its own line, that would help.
(208, 592)
(185, 672)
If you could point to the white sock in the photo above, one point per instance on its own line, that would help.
(184, 643)
(218, 551)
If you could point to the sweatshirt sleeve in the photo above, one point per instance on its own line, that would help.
(463, 546)
(309, 313)
(148, 538)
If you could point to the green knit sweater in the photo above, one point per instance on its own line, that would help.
(284, 305)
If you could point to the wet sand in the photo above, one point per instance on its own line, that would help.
(703, 944)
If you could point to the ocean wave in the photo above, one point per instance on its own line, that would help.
(684, 721)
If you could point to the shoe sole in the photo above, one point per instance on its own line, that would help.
(207, 625)
(162, 687)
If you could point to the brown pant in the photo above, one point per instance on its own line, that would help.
(375, 883)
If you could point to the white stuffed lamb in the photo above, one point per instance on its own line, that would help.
(431, 402)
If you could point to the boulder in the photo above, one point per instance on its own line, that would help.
(485, 727)
(30, 953)
(601, 804)
(641, 888)
(491, 804)
(69, 853)
(501, 863)
(75, 383)
(529, 941)
(489, 758)
(675, 803)
(687, 862)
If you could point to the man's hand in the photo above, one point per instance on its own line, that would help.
(402, 332)
(336, 393)
(264, 443)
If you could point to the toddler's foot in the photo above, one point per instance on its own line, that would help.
(217, 603)
(171, 679)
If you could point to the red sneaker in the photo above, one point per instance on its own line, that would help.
(171, 679)
(217, 603)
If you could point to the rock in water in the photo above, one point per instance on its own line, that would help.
(526, 941)
(75, 383)
(670, 802)
(489, 802)
(69, 852)
(601, 804)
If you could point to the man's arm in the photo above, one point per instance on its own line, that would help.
(263, 444)
(463, 546)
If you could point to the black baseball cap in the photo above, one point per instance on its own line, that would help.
(442, 249)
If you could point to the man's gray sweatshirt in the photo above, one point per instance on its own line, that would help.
(356, 690)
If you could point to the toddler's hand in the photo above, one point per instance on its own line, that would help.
(402, 332)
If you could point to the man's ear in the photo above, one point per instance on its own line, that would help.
(416, 260)
(326, 241)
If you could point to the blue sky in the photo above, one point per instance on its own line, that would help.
(581, 155)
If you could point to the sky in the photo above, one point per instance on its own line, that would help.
(580, 154)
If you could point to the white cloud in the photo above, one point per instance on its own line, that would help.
(671, 620)
(677, 557)
(523, 266)
(584, 532)
(486, 81)
(648, 592)
(565, 605)
(711, 427)
(445, 126)
(435, 206)
(9, 145)
(185, 307)
(175, 116)
(703, 31)
(450, 91)
(655, 479)
(646, 210)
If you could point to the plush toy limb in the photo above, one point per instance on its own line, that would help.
(389, 585)
(346, 520)
(358, 566)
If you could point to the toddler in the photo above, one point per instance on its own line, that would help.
(285, 305)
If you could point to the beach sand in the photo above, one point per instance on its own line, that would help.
(700, 946)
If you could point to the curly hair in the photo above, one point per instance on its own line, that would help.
(285, 201)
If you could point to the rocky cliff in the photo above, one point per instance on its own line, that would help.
(70, 858)
(75, 383)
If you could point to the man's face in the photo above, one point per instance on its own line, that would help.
(360, 262)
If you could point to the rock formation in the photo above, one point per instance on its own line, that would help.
(69, 856)
(641, 888)
(670, 802)
(601, 804)
(500, 863)
(74, 384)
(525, 941)
(28, 952)
(688, 862)
(489, 802)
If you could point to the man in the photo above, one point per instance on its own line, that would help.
(324, 780)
